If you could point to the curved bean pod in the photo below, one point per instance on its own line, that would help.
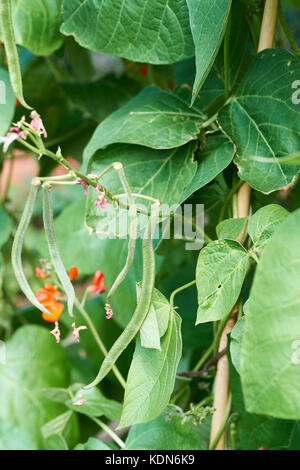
(13, 63)
(16, 254)
(53, 248)
(142, 307)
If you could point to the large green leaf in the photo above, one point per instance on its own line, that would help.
(214, 156)
(255, 431)
(36, 25)
(220, 273)
(154, 118)
(262, 120)
(161, 434)
(34, 361)
(264, 222)
(151, 377)
(7, 102)
(270, 345)
(157, 32)
(208, 19)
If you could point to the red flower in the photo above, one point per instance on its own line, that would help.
(261, 448)
(47, 297)
(39, 273)
(98, 283)
(73, 273)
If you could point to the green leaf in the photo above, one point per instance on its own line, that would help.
(36, 25)
(95, 404)
(264, 222)
(161, 434)
(156, 323)
(208, 19)
(157, 32)
(220, 273)
(7, 102)
(236, 343)
(154, 118)
(5, 226)
(255, 431)
(93, 444)
(151, 377)
(215, 155)
(230, 229)
(34, 361)
(261, 120)
(62, 432)
(270, 346)
(100, 99)
(14, 438)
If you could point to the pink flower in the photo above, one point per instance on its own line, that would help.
(37, 124)
(13, 134)
(80, 400)
(101, 199)
(84, 184)
(108, 311)
(77, 330)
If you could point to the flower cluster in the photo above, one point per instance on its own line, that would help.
(50, 297)
(19, 131)
(101, 197)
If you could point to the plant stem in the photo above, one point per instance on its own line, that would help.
(268, 25)
(176, 291)
(287, 31)
(98, 339)
(109, 431)
(228, 198)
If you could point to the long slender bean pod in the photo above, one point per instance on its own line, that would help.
(13, 63)
(53, 248)
(16, 255)
(132, 229)
(143, 304)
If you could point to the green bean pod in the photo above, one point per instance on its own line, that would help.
(53, 248)
(16, 255)
(142, 307)
(132, 230)
(13, 63)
